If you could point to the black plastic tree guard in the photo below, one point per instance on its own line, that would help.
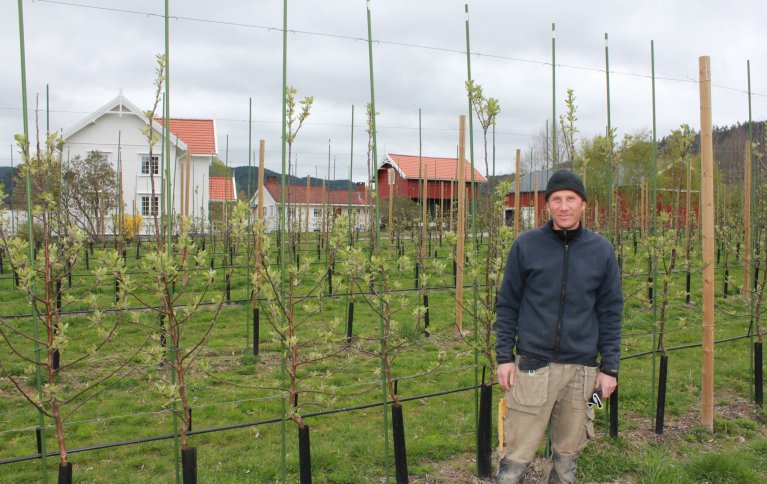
(349, 322)
(39, 437)
(725, 283)
(256, 330)
(660, 411)
(65, 473)
(304, 455)
(400, 452)
(330, 280)
(228, 289)
(614, 413)
(687, 290)
(758, 375)
(189, 465)
(417, 270)
(484, 432)
(426, 317)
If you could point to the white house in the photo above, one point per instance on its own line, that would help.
(317, 203)
(116, 130)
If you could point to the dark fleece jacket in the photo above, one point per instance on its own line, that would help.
(560, 300)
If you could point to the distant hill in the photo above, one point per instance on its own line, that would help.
(729, 147)
(241, 178)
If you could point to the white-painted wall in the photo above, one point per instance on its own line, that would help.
(102, 134)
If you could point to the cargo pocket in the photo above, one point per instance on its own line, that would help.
(589, 378)
(530, 390)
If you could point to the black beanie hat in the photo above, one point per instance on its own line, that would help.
(565, 180)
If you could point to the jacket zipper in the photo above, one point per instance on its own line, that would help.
(561, 303)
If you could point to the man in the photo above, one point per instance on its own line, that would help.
(560, 307)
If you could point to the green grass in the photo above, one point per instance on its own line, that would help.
(349, 446)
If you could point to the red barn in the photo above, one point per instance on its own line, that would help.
(440, 175)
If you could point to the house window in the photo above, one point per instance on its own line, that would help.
(154, 166)
(317, 213)
(145, 207)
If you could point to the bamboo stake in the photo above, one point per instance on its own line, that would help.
(517, 196)
(459, 258)
(707, 198)
(441, 204)
(747, 225)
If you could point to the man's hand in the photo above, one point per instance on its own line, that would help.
(507, 373)
(607, 382)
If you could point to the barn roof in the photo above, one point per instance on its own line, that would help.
(433, 168)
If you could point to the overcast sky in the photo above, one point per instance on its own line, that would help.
(223, 53)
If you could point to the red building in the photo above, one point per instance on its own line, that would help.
(440, 175)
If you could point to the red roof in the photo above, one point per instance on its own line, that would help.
(296, 194)
(198, 134)
(221, 189)
(433, 168)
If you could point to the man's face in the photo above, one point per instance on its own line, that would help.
(565, 208)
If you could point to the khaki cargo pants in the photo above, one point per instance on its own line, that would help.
(558, 392)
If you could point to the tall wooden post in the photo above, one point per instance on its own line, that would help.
(517, 195)
(188, 181)
(535, 199)
(747, 225)
(441, 206)
(459, 258)
(707, 221)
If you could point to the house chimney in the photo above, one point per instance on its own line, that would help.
(360, 187)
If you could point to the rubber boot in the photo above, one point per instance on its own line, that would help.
(563, 469)
(510, 472)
